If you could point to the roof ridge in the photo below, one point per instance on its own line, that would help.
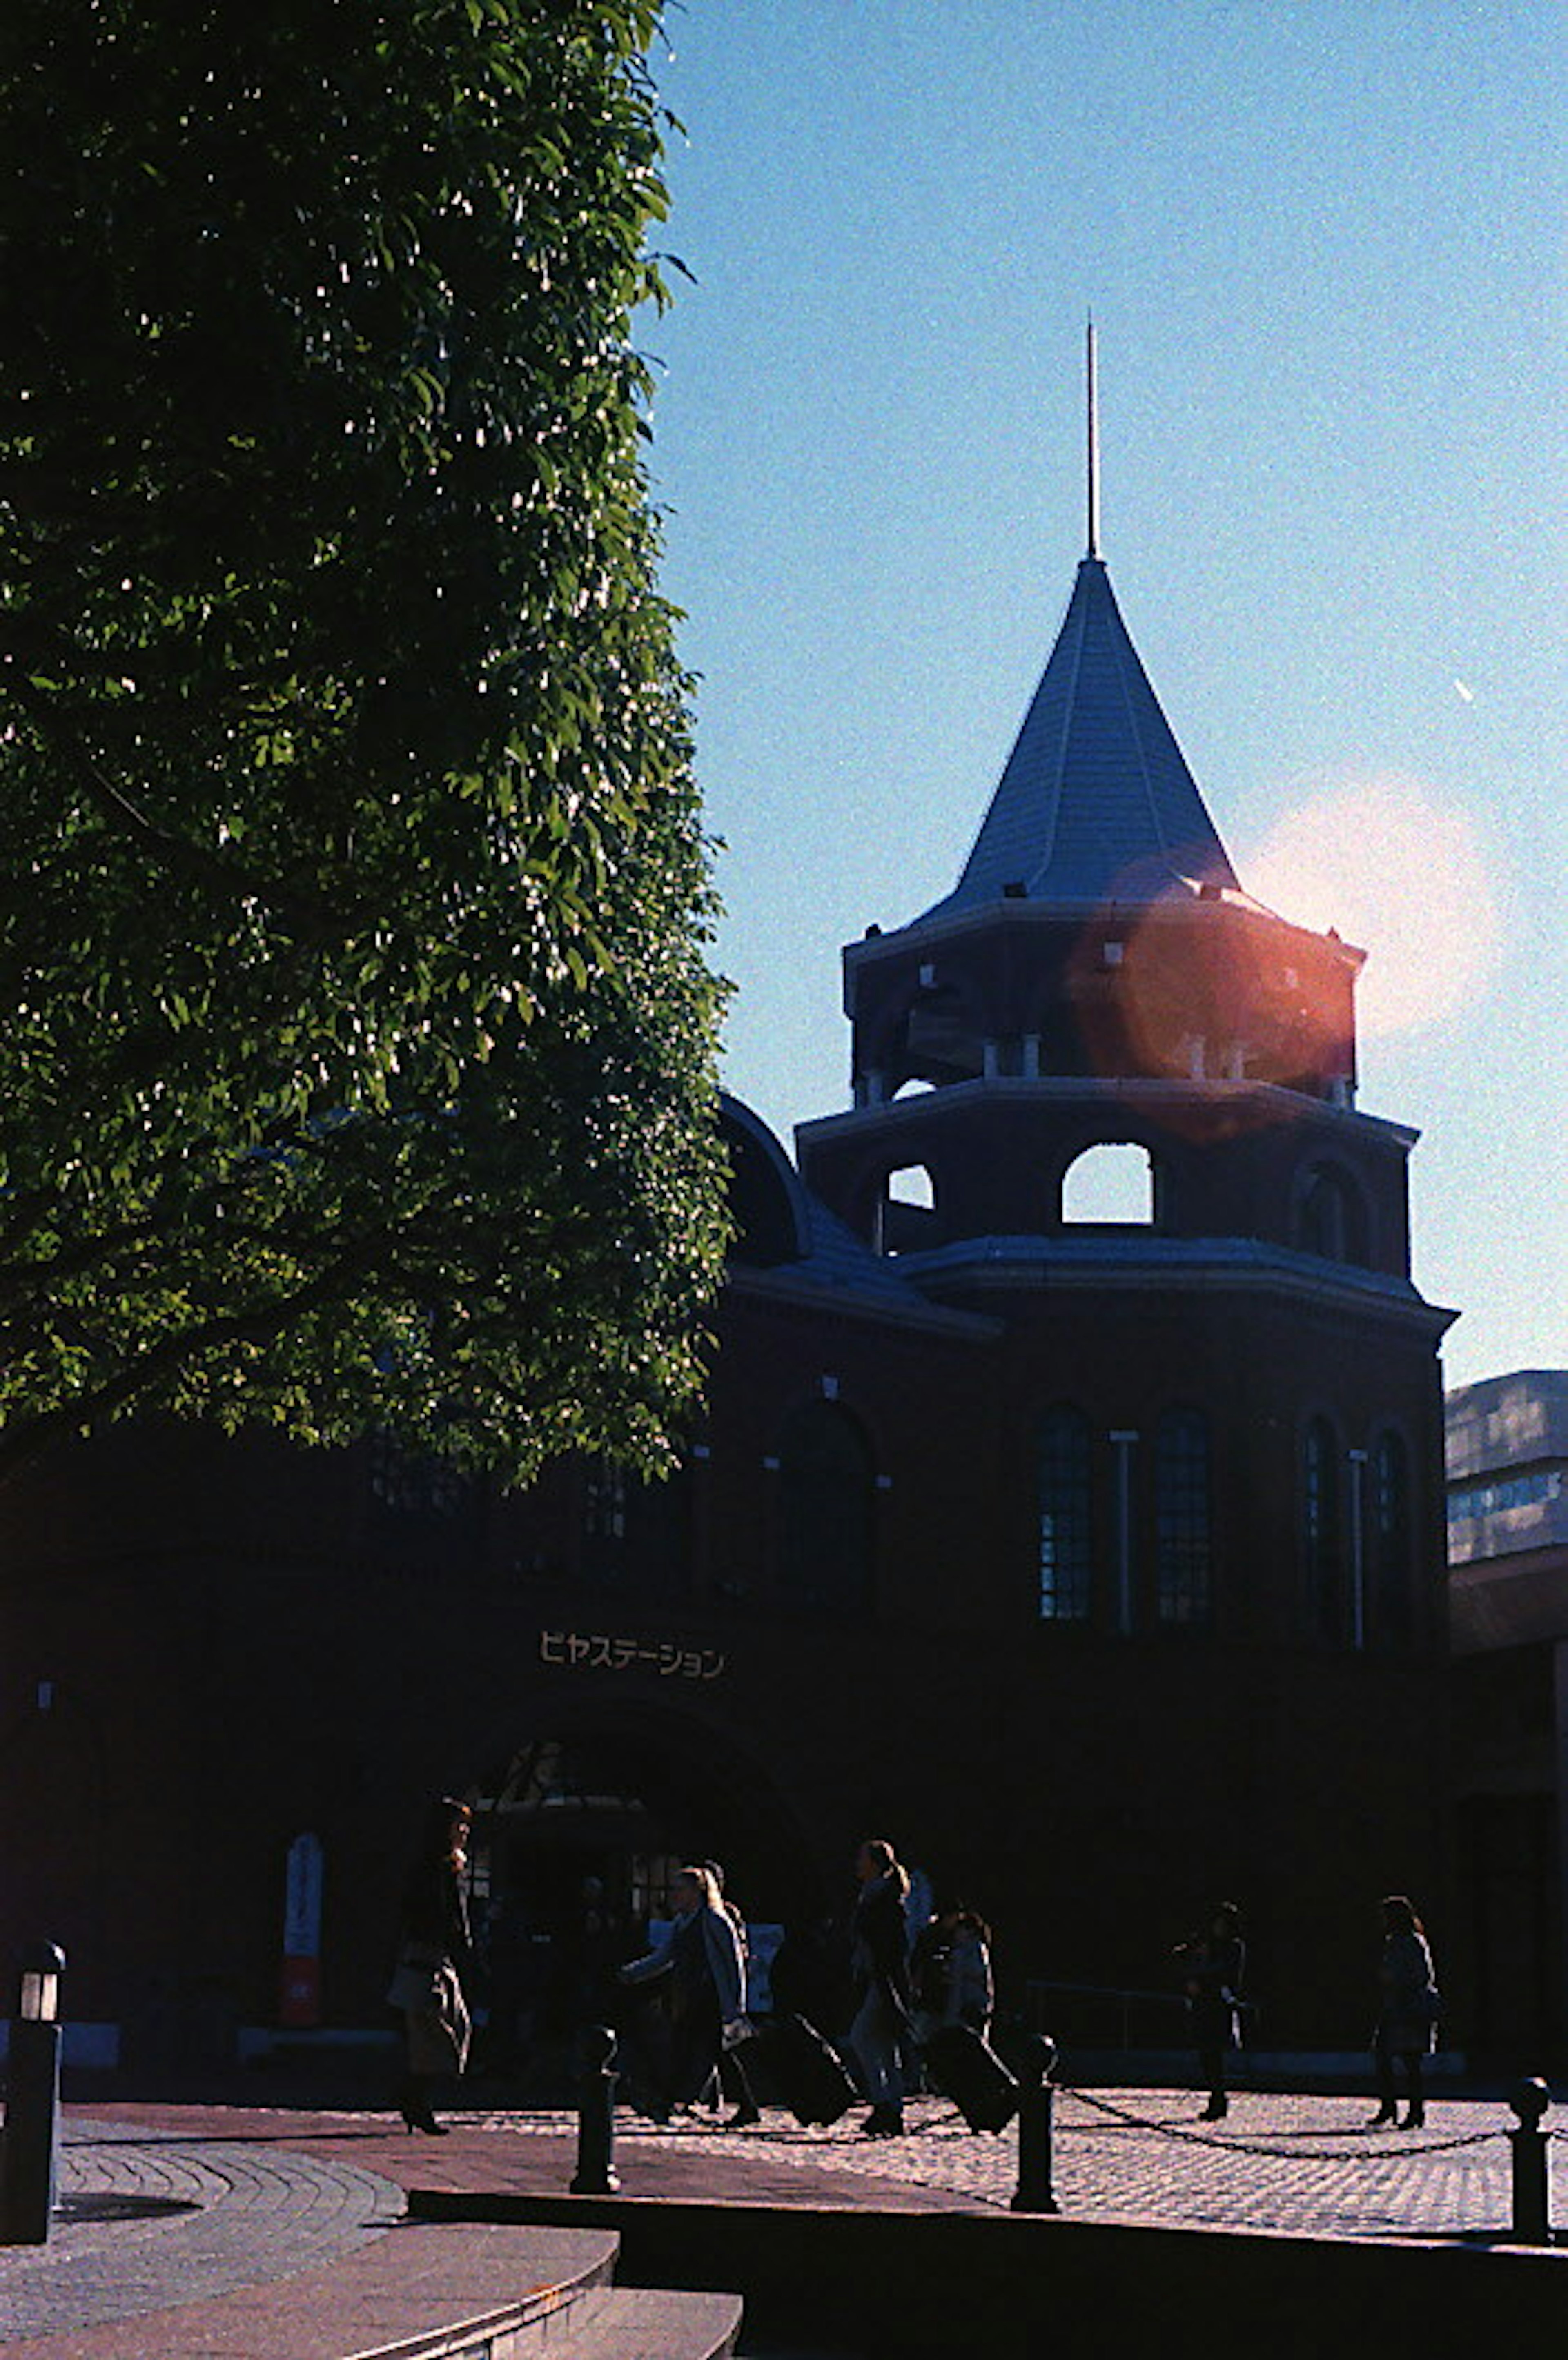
(1058, 767)
(1096, 801)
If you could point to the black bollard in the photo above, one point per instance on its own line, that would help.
(32, 2100)
(1037, 2127)
(1531, 2220)
(595, 2174)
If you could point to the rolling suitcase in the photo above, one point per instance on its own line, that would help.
(805, 2071)
(965, 2068)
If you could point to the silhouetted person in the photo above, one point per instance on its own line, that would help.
(1213, 1967)
(1406, 2014)
(879, 1953)
(970, 1992)
(434, 1955)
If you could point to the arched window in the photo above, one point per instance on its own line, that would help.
(906, 1215)
(1331, 1216)
(1321, 1546)
(1183, 1550)
(1110, 1184)
(1390, 1537)
(1065, 1562)
(827, 1487)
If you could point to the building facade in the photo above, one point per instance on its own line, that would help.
(1508, 1509)
(1067, 1509)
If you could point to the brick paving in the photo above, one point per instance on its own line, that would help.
(1302, 2165)
(152, 2215)
(181, 2206)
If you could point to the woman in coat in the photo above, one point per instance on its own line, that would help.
(1213, 1966)
(1406, 2015)
(880, 1958)
(701, 1955)
(434, 1955)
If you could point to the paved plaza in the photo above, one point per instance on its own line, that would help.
(152, 2215)
(1293, 2164)
(166, 2206)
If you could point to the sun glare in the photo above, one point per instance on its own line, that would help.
(1403, 876)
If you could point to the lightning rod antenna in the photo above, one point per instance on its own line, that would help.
(1092, 396)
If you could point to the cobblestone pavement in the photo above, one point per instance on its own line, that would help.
(1305, 2166)
(160, 2209)
(148, 2219)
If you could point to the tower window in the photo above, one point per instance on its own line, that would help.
(906, 1216)
(1331, 1219)
(1109, 1184)
(1182, 1518)
(1064, 1560)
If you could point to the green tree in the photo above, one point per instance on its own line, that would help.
(358, 1064)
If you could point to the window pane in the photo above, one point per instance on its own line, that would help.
(1066, 1559)
(1182, 1539)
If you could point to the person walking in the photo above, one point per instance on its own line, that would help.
(435, 1956)
(1407, 2012)
(970, 1994)
(734, 2083)
(880, 1956)
(1213, 1967)
(701, 1956)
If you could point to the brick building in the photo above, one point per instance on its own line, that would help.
(1068, 1506)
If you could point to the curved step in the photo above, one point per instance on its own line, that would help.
(646, 2324)
(411, 2296)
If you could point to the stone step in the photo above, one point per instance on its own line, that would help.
(423, 2291)
(645, 2323)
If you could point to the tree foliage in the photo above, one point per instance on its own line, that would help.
(357, 1063)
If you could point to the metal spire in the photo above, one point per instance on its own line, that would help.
(1091, 393)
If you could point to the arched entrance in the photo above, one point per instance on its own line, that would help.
(578, 1832)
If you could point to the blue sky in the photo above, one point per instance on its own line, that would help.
(1326, 247)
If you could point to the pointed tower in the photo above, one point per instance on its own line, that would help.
(1097, 976)
(1180, 1511)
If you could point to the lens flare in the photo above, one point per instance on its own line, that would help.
(1403, 874)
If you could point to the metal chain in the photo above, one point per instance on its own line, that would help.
(952, 2125)
(1276, 2154)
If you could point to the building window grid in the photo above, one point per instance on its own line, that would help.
(1496, 1496)
(1183, 1521)
(1064, 1560)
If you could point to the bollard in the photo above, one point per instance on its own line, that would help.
(32, 2100)
(1532, 2216)
(595, 2175)
(1037, 2125)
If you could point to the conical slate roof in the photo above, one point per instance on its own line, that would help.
(1096, 804)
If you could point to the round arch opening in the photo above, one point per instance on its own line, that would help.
(579, 1832)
